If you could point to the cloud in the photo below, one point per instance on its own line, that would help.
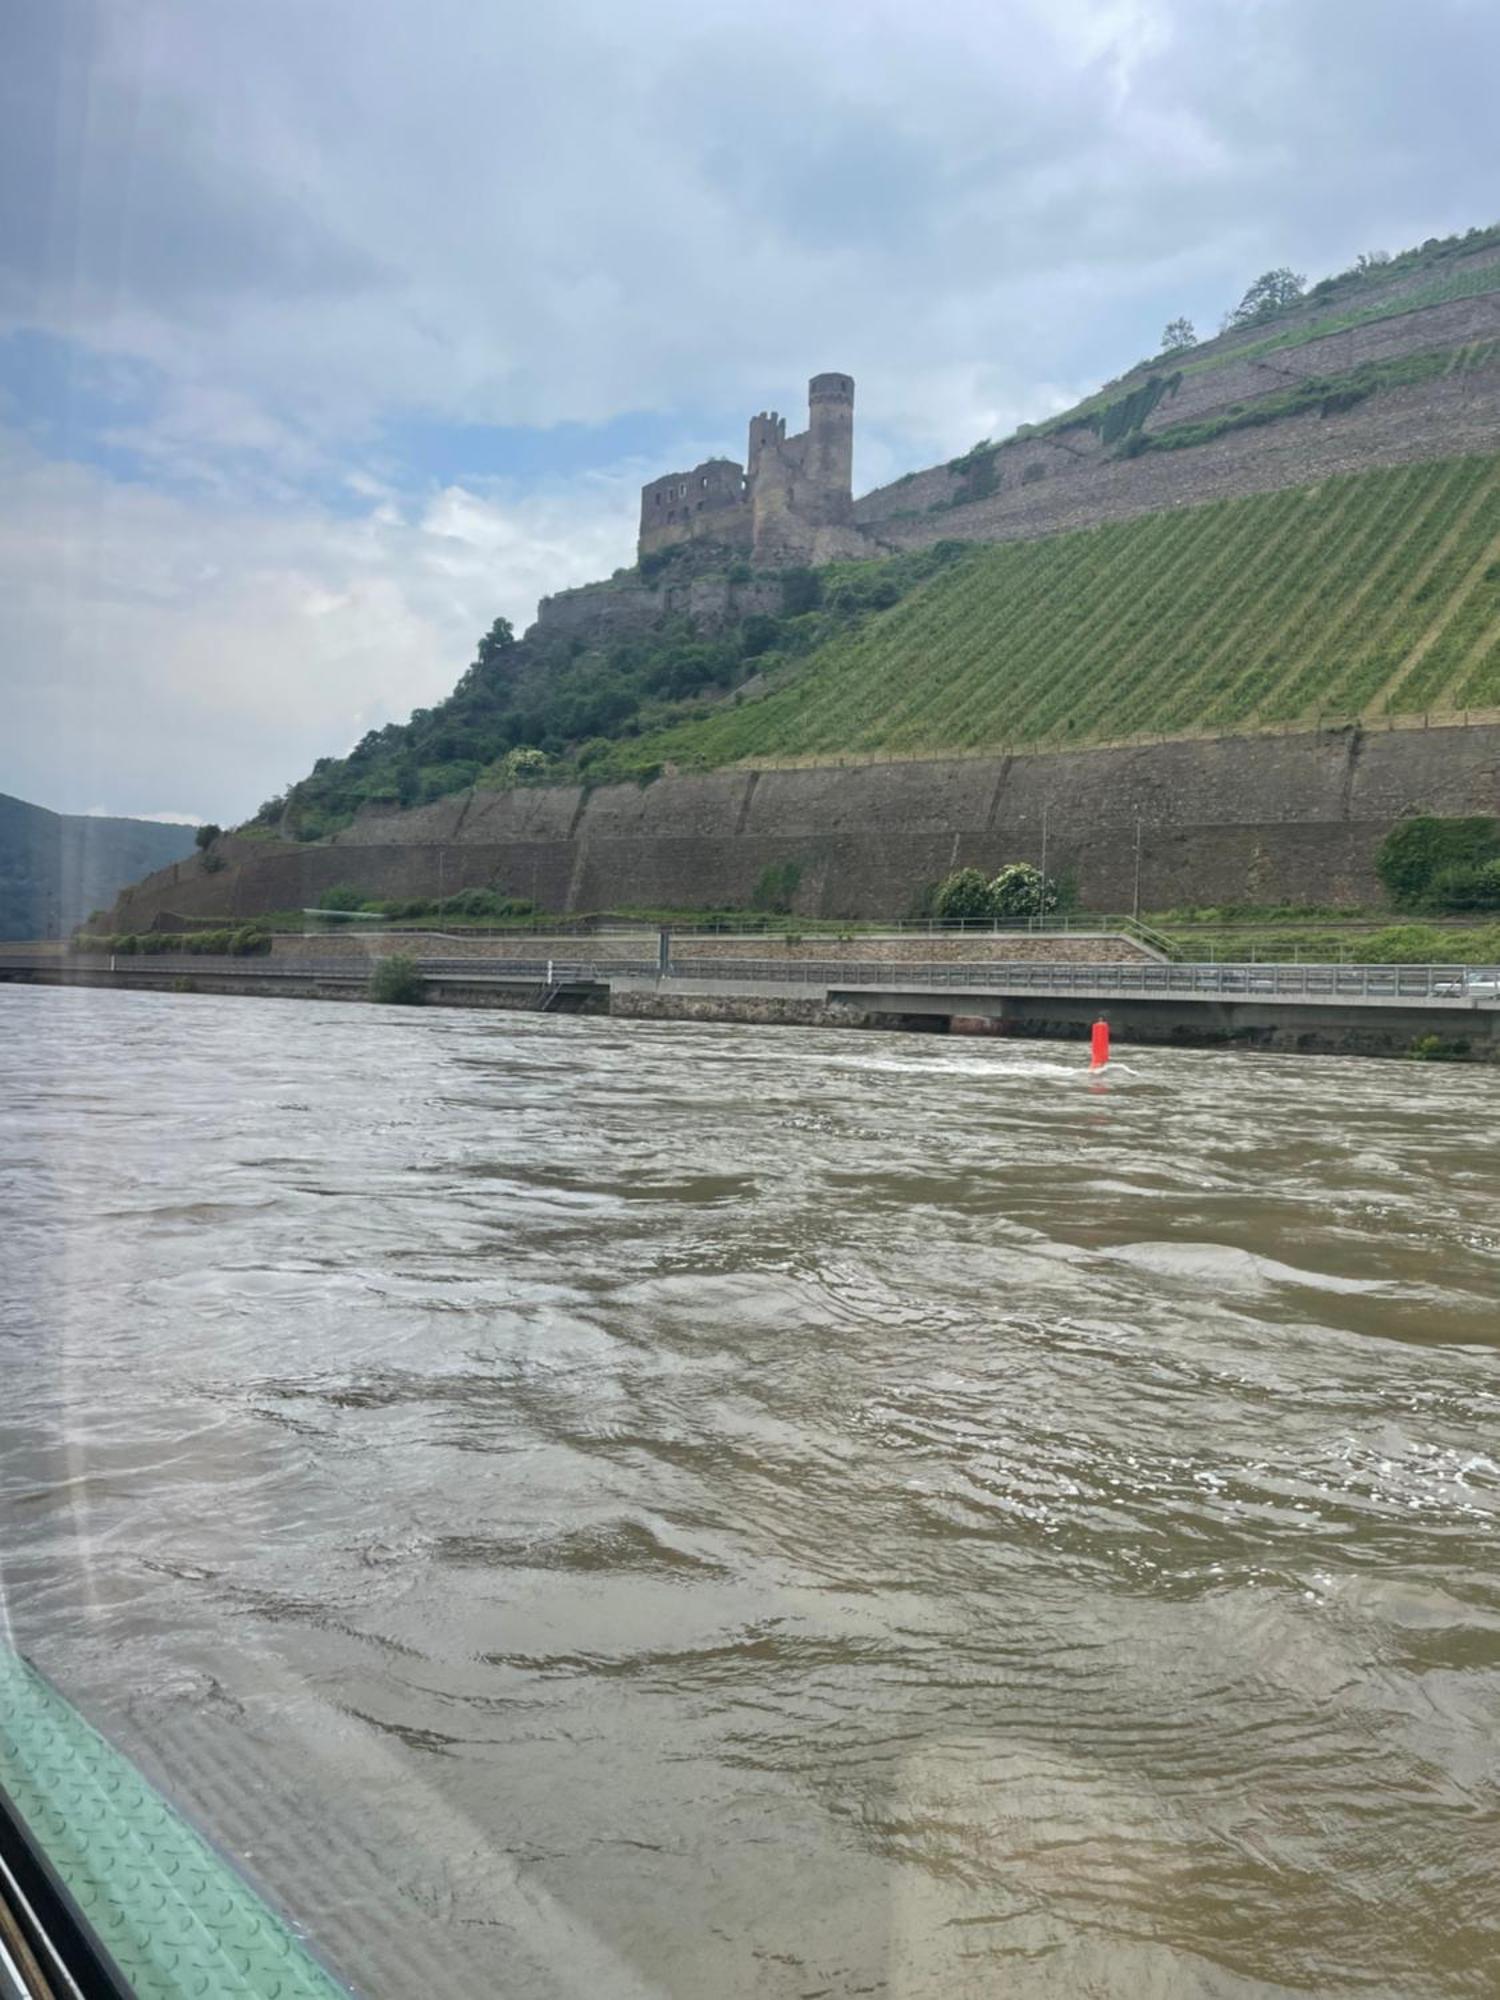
(338, 211)
(163, 652)
(161, 818)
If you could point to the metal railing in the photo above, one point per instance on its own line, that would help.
(1146, 978)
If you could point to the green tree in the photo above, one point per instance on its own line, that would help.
(523, 763)
(1022, 891)
(206, 836)
(963, 897)
(1421, 849)
(1271, 293)
(1465, 885)
(1176, 335)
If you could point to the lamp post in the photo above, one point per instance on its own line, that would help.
(1135, 905)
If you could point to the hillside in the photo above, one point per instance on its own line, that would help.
(57, 867)
(1290, 519)
(1374, 593)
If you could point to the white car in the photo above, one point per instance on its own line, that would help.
(1481, 984)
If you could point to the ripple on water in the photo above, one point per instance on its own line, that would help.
(765, 1513)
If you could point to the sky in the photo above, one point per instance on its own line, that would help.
(330, 330)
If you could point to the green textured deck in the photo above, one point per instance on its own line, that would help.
(174, 1916)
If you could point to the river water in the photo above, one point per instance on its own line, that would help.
(603, 1508)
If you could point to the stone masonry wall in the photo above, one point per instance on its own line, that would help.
(1445, 418)
(1231, 819)
(1106, 488)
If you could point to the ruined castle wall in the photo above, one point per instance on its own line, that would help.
(709, 502)
(1233, 819)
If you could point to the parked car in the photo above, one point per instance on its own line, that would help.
(1482, 983)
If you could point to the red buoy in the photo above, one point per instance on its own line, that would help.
(1099, 1045)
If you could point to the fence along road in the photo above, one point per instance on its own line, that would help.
(1436, 986)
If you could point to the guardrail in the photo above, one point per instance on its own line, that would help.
(1148, 978)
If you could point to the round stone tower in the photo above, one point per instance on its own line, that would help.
(829, 465)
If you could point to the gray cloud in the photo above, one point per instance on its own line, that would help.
(565, 213)
(577, 211)
(117, 193)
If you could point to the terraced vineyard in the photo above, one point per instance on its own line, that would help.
(1440, 291)
(1470, 283)
(1373, 593)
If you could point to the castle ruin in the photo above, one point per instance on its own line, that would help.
(793, 502)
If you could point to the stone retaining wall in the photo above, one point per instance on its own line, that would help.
(1073, 466)
(1080, 487)
(1245, 819)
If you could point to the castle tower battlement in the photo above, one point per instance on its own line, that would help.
(775, 505)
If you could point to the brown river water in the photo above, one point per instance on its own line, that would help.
(597, 1508)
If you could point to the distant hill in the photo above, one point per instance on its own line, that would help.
(57, 867)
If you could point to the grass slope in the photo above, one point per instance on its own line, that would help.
(1372, 593)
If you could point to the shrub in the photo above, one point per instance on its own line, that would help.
(801, 591)
(524, 764)
(241, 943)
(1465, 885)
(396, 982)
(341, 897)
(963, 897)
(206, 836)
(1436, 1048)
(758, 634)
(1021, 891)
(1406, 944)
(1414, 853)
(775, 887)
